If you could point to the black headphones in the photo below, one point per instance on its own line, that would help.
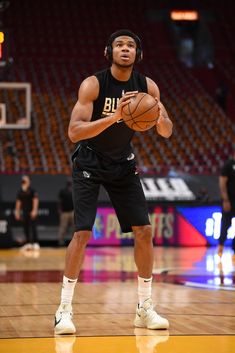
(108, 52)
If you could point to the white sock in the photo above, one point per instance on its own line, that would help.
(67, 290)
(144, 289)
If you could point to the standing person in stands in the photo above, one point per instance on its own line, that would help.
(26, 211)
(227, 191)
(103, 155)
(65, 206)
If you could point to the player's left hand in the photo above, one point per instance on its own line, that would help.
(163, 124)
(162, 113)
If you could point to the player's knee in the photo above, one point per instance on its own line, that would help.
(82, 237)
(143, 233)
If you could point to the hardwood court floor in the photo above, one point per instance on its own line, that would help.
(192, 288)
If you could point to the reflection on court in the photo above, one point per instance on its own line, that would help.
(193, 288)
(130, 344)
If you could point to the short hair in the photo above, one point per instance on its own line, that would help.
(123, 32)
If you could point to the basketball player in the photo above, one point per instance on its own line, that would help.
(103, 155)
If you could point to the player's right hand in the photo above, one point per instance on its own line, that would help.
(126, 98)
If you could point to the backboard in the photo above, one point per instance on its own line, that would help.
(15, 105)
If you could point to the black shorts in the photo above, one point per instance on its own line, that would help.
(120, 180)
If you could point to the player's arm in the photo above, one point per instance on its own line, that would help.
(164, 125)
(34, 211)
(224, 194)
(81, 127)
(17, 209)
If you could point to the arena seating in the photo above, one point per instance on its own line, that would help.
(57, 54)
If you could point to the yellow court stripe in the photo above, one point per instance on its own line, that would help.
(121, 344)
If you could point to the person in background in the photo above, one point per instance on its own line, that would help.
(65, 207)
(26, 211)
(227, 191)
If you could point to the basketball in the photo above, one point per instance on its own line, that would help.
(141, 113)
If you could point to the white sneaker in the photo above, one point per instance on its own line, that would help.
(26, 247)
(63, 320)
(148, 318)
(36, 246)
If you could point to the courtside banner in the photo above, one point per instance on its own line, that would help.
(181, 188)
(172, 188)
(181, 226)
(173, 225)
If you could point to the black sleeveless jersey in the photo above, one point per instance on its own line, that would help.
(115, 142)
